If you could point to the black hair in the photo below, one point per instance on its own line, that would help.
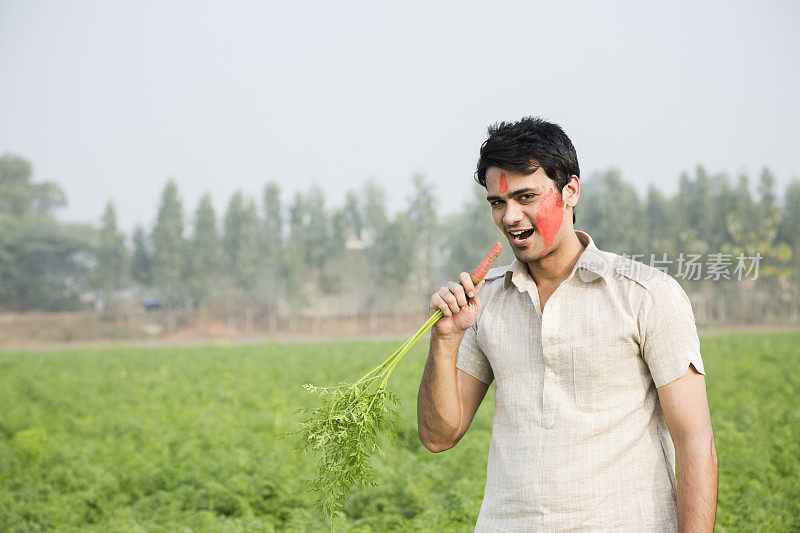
(527, 145)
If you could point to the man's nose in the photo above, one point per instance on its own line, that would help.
(512, 215)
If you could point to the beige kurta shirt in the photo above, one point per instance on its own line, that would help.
(579, 440)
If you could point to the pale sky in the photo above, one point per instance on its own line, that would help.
(110, 99)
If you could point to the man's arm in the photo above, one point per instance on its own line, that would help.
(685, 406)
(448, 397)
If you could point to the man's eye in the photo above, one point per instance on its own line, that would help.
(525, 196)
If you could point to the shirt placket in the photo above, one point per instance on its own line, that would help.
(551, 317)
(549, 322)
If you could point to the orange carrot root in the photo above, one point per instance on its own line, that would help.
(479, 273)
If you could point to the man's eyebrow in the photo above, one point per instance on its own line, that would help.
(526, 190)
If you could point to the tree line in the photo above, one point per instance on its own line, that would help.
(272, 258)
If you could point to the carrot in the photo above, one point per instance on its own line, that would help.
(480, 272)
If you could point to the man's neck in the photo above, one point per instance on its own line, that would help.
(556, 266)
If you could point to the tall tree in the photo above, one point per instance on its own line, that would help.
(338, 263)
(657, 222)
(766, 188)
(397, 260)
(789, 235)
(352, 216)
(272, 230)
(19, 196)
(374, 216)
(374, 221)
(42, 262)
(766, 209)
(296, 263)
(724, 202)
(743, 200)
(240, 242)
(346, 233)
(272, 261)
(702, 205)
(612, 213)
(693, 212)
(205, 262)
(754, 230)
(169, 246)
(422, 218)
(111, 273)
(7, 259)
(317, 234)
(142, 258)
(790, 219)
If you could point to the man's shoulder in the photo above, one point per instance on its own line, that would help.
(628, 270)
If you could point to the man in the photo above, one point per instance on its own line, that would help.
(599, 381)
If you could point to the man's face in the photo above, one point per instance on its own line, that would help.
(529, 210)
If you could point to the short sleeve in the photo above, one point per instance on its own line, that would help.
(669, 340)
(471, 358)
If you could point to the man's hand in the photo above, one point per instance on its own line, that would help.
(459, 303)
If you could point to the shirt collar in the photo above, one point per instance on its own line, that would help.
(591, 265)
(518, 274)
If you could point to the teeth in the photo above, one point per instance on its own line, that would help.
(516, 233)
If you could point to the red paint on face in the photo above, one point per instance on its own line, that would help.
(503, 184)
(550, 215)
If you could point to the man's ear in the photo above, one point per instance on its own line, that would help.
(571, 191)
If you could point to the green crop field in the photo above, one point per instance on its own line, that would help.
(180, 439)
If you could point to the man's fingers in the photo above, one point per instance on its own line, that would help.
(450, 299)
(466, 282)
(458, 292)
(438, 303)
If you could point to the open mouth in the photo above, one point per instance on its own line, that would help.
(521, 238)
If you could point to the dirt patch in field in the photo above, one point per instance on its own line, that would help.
(22, 329)
(714, 329)
(39, 331)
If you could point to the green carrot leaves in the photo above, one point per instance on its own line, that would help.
(347, 427)
(345, 431)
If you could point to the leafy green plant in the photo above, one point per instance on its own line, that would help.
(346, 428)
(202, 413)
